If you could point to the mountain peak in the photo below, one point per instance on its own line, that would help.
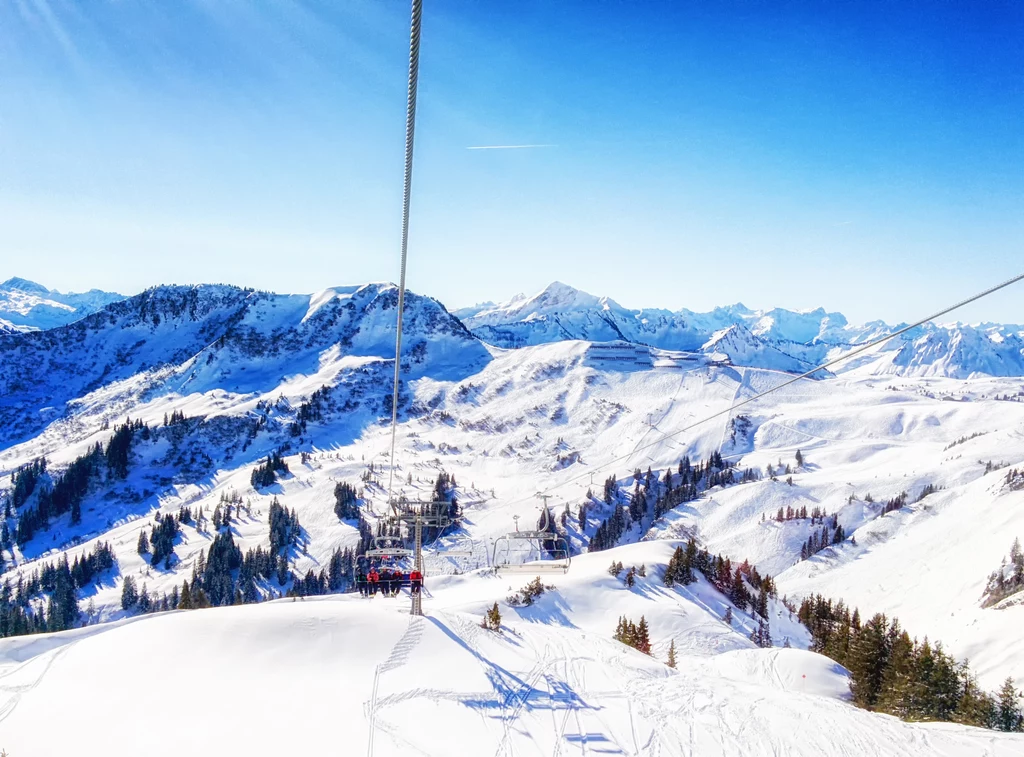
(24, 285)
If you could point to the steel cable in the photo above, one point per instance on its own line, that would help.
(410, 133)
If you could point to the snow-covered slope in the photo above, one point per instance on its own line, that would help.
(243, 368)
(807, 338)
(195, 339)
(741, 347)
(28, 306)
(348, 675)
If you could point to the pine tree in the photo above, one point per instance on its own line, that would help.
(671, 662)
(492, 619)
(799, 459)
(201, 601)
(1009, 716)
(643, 641)
(143, 546)
(620, 630)
(727, 618)
(898, 675)
(868, 660)
(129, 594)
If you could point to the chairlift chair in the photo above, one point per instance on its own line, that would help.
(460, 554)
(388, 547)
(539, 551)
(462, 546)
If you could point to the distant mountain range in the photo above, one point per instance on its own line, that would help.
(28, 306)
(778, 338)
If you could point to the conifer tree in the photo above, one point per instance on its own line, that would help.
(129, 594)
(143, 546)
(492, 619)
(671, 662)
(868, 659)
(1009, 717)
(643, 640)
(200, 601)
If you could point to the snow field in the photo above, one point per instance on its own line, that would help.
(344, 675)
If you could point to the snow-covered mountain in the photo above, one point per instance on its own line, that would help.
(561, 312)
(222, 377)
(808, 338)
(740, 346)
(28, 306)
(199, 339)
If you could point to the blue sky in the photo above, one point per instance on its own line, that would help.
(868, 157)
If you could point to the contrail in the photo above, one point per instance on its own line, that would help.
(507, 147)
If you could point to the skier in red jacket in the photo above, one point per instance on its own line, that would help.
(372, 579)
(415, 581)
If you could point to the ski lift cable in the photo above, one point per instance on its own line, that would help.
(410, 133)
(807, 374)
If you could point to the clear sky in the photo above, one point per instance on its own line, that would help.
(868, 157)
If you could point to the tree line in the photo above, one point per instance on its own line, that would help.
(892, 673)
(55, 583)
(686, 484)
(64, 493)
(743, 584)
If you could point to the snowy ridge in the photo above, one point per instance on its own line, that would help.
(28, 306)
(807, 337)
(195, 339)
(738, 345)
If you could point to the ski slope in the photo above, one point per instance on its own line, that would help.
(344, 675)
